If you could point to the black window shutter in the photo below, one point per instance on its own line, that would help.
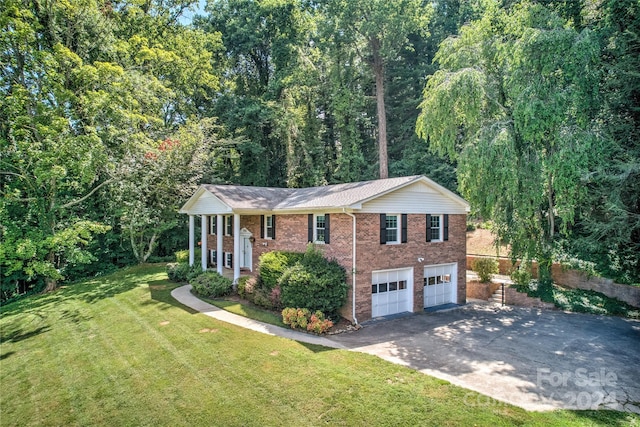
(428, 228)
(231, 220)
(273, 227)
(327, 232)
(404, 228)
(445, 233)
(231, 263)
(310, 228)
(262, 226)
(383, 229)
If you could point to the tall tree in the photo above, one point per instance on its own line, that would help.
(513, 103)
(380, 30)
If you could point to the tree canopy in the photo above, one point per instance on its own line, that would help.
(111, 113)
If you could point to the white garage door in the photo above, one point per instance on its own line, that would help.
(391, 292)
(440, 284)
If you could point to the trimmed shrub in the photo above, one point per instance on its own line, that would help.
(315, 283)
(486, 268)
(304, 319)
(246, 287)
(211, 284)
(181, 272)
(273, 264)
(296, 317)
(261, 299)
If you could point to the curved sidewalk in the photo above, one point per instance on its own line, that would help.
(184, 296)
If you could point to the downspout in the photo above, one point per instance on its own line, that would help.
(353, 268)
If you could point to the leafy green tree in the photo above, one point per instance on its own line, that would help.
(608, 232)
(86, 87)
(513, 104)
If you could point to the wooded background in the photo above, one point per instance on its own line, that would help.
(112, 112)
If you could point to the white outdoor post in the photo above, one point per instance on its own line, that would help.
(203, 245)
(219, 235)
(236, 248)
(191, 238)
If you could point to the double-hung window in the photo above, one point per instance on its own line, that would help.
(391, 223)
(437, 228)
(228, 225)
(319, 228)
(213, 228)
(393, 229)
(268, 227)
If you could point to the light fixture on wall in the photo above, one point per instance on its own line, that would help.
(420, 259)
(265, 244)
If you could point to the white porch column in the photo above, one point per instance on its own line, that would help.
(191, 238)
(236, 248)
(203, 244)
(219, 234)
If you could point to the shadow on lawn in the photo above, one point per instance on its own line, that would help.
(17, 335)
(89, 291)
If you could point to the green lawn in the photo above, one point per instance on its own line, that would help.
(119, 350)
(246, 310)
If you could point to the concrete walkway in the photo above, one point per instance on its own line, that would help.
(535, 359)
(184, 296)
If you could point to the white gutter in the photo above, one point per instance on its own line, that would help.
(353, 269)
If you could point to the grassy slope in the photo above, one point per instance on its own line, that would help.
(119, 350)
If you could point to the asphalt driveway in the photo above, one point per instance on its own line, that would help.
(535, 359)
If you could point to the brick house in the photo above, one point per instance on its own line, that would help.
(401, 240)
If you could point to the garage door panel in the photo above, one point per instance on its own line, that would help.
(391, 292)
(440, 286)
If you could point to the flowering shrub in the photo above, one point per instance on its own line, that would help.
(304, 319)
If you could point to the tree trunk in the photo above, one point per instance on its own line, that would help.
(378, 69)
(52, 284)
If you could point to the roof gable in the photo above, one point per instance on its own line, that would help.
(204, 202)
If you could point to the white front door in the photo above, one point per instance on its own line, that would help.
(246, 249)
(440, 284)
(391, 291)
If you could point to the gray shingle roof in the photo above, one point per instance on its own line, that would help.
(329, 196)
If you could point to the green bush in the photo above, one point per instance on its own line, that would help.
(486, 268)
(273, 264)
(261, 299)
(522, 276)
(183, 256)
(315, 283)
(246, 287)
(181, 272)
(211, 284)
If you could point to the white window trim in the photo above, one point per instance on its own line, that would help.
(440, 228)
(228, 257)
(398, 229)
(266, 227)
(315, 228)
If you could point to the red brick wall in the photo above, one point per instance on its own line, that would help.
(292, 235)
(371, 256)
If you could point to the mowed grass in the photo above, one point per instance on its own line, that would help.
(119, 350)
(246, 310)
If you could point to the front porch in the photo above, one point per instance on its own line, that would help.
(237, 261)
